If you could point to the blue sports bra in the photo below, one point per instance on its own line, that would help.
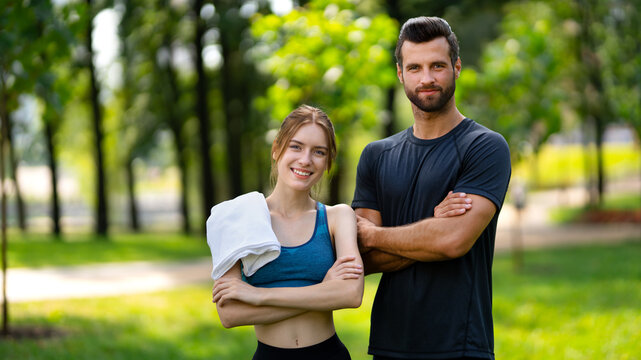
(300, 265)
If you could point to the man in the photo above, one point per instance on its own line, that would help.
(434, 300)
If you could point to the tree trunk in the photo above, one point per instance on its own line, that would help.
(390, 125)
(600, 170)
(101, 195)
(234, 124)
(337, 180)
(596, 102)
(232, 90)
(53, 168)
(3, 209)
(134, 224)
(208, 183)
(13, 163)
(181, 155)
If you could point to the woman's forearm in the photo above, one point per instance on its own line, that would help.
(237, 313)
(325, 296)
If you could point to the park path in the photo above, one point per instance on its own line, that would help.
(139, 277)
(532, 228)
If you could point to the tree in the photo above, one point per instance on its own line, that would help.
(172, 110)
(621, 58)
(329, 56)
(26, 40)
(208, 184)
(102, 221)
(519, 89)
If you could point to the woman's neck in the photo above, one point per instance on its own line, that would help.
(288, 202)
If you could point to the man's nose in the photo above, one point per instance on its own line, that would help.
(427, 77)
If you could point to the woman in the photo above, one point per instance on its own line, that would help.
(290, 300)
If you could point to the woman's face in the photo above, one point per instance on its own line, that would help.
(304, 158)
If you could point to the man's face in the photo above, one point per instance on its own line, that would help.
(427, 74)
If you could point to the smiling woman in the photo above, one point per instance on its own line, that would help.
(290, 300)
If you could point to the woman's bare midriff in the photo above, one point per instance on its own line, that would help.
(306, 329)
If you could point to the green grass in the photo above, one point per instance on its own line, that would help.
(575, 303)
(569, 303)
(37, 250)
(618, 202)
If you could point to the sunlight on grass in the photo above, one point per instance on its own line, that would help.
(37, 250)
(564, 165)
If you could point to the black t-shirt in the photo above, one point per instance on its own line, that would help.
(434, 309)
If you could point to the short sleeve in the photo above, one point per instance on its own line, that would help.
(365, 191)
(486, 168)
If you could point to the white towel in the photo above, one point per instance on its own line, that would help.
(241, 228)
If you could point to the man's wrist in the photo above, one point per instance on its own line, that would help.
(372, 237)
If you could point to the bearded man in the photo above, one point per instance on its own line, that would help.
(434, 300)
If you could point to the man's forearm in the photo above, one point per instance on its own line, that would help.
(419, 241)
(432, 239)
(376, 261)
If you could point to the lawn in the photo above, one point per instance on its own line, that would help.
(569, 303)
(37, 250)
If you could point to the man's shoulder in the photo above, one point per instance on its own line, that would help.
(478, 133)
(379, 146)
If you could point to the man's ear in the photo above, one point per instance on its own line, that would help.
(399, 73)
(457, 68)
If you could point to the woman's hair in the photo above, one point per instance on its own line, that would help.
(424, 29)
(304, 114)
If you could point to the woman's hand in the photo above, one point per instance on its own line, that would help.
(344, 268)
(454, 204)
(236, 289)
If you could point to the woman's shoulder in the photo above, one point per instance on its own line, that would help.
(339, 209)
(339, 212)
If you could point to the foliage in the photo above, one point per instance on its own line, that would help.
(519, 89)
(620, 52)
(574, 303)
(329, 56)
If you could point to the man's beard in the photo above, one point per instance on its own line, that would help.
(434, 104)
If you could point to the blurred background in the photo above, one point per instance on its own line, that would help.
(125, 121)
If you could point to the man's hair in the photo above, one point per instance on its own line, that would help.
(423, 29)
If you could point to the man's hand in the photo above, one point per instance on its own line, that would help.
(365, 229)
(454, 204)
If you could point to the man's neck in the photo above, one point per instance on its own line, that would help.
(432, 125)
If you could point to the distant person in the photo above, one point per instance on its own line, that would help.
(434, 300)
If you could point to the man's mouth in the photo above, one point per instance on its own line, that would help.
(428, 91)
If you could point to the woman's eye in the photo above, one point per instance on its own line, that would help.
(320, 153)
